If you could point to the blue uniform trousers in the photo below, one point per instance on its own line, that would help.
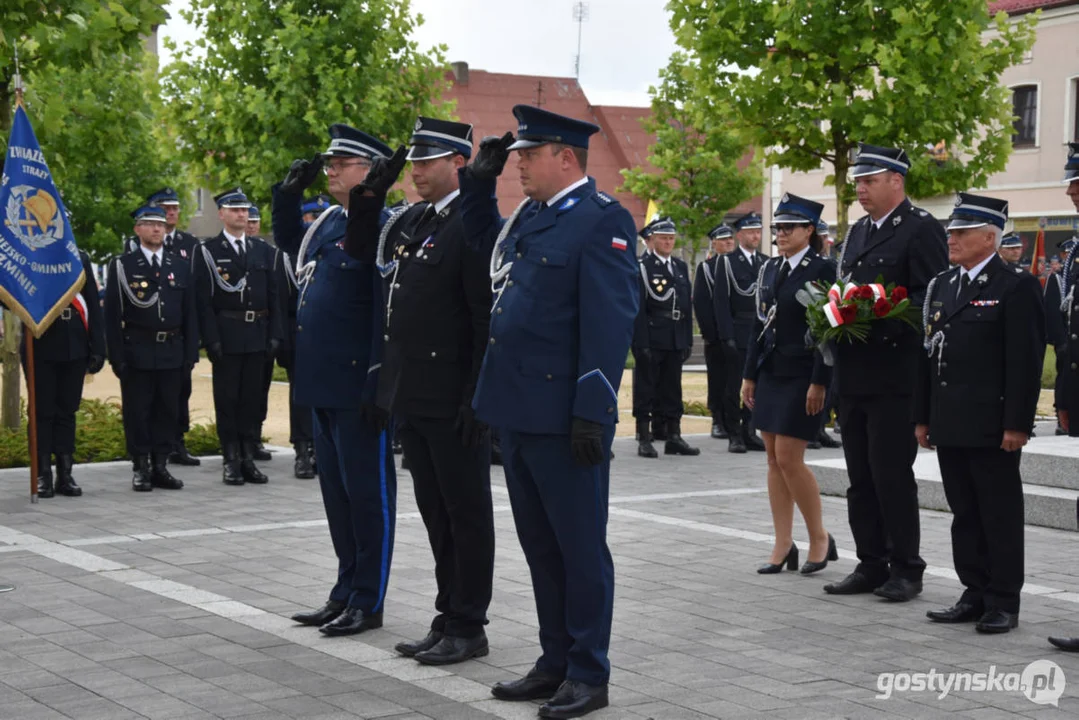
(560, 510)
(359, 491)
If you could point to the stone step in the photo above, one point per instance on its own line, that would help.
(1051, 461)
(1053, 507)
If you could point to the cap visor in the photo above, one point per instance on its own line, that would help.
(524, 144)
(167, 202)
(863, 170)
(427, 152)
(245, 206)
(790, 219)
(1071, 176)
(965, 224)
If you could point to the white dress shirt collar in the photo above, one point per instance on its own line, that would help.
(885, 216)
(151, 254)
(973, 272)
(751, 255)
(234, 241)
(566, 191)
(441, 204)
(797, 257)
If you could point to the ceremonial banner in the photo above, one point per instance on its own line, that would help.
(40, 270)
(1037, 257)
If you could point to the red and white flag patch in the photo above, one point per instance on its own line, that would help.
(619, 244)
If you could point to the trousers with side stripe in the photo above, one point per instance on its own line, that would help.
(359, 491)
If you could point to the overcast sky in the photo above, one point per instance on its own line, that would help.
(624, 43)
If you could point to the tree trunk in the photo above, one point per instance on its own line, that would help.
(843, 194)
(9, 353)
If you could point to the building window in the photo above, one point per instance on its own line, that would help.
(1025, 109)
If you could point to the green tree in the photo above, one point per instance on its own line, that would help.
(265, 81)
(700, 155)
(809, 79)
(64, 42)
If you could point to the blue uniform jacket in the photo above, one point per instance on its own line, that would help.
(784, 341)
(340, 314)
(562, 324)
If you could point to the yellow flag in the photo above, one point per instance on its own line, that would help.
(652, 212)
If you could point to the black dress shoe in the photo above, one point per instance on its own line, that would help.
(790, 561)
(854, 584)
(323, 615)
(718, 432)
(1068, 644)
(410, 648)
(828, 441)
(811, 567)
(536, 685)
(995, 622)
(646, 449)
(961, 612)
(260, 453)
(753, 442)
(450, 650)
(675, 445)
(352, 621)
(573, 700)
(735, 445)
(180, 456)
(899, 589)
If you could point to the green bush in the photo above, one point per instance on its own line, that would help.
(1049, 369)
(99, 437)
(695, 407)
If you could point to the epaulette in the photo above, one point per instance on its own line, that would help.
(603, 199)
(917, 210)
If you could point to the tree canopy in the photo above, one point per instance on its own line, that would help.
(809, 79)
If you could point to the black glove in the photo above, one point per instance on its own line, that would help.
(275, 345)
(472, 431)
(685, 354)
(214, 352)
(376, 417)
(491, 157)
(384, 173)
(586, 442)
(301, 175)
(94, 364)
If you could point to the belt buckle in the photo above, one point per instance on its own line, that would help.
(676, 314)
(162, 336)
(66, 314)
(249, 316)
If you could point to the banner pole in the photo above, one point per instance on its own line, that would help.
(31, 413)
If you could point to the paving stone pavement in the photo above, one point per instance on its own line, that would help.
(175, 605)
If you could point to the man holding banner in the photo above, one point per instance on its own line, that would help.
(41, 270)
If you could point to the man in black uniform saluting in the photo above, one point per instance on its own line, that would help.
(152, 339)
(903, 245)
(239, 309)
(975, 401)
(438, 316)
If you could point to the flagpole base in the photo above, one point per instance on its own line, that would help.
(33, 499)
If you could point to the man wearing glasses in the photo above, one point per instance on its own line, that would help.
(337, 356)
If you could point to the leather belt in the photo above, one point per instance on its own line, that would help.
(66, 314)
(159, 336)
(245, 315)
(667, 314)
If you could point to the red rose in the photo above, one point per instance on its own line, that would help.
(864, 293)
(849, 313)
(882, 307)
(899, 293)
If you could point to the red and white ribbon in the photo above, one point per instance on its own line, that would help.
(878, 291)
(831, 311)
(835, 293)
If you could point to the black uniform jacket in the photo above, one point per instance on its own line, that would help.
(438, 300)
(909, 249)
(703, 301)
(67, 338)
(784, 343)
(162, 336)
(985, 374)
(243, 322)
(736, 313)
(667, 323)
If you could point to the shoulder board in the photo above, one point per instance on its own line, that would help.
(915, 210)
(603, 199)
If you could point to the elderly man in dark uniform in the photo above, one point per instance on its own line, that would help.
(1011, 249)
(73, 346)
(735, 311)
(184, 245)
(975, 401)
(663, 333)
(338, 354)
(723, 411)
(438, 314)
(240, 317)
(152, 339)
(566, 298)
(1067, 394)
(903, 245)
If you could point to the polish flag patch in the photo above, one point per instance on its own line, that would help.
(619, 244)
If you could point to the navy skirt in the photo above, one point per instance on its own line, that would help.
(780, 406)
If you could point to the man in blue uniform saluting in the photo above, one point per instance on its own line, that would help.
(338, 351)
(566, 296)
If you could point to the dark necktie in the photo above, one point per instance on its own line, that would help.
(871, 233)
(168, 242)
(964, 283)
(155, 265)
(784, 272)
(240, 248)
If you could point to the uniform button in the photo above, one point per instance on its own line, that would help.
(386, 338)
(859, 263)
(543, 260)
(509, 283)
(492, 342)
(397, 286)
(353, 363)
(520, 255)
(498, 311)
(944, 383)
(344, 265)
(1073, 336)
(549, 376)
(299, 328)
(610, 410)
(944, 364)
(434, 354)
(947, 326)
(1073, 366)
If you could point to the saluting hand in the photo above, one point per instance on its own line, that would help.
(1013, 440)
(384, 173)
(921, 433)
(749, 389)
(491, 157)
(302, 174)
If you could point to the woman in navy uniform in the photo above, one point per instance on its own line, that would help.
(785, 382)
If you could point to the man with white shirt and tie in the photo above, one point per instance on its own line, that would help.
(240, 317)
(151, 335)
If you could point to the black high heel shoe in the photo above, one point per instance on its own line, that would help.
(811, 567)
(791, 562)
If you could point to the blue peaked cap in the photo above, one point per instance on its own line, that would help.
(536, 126)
